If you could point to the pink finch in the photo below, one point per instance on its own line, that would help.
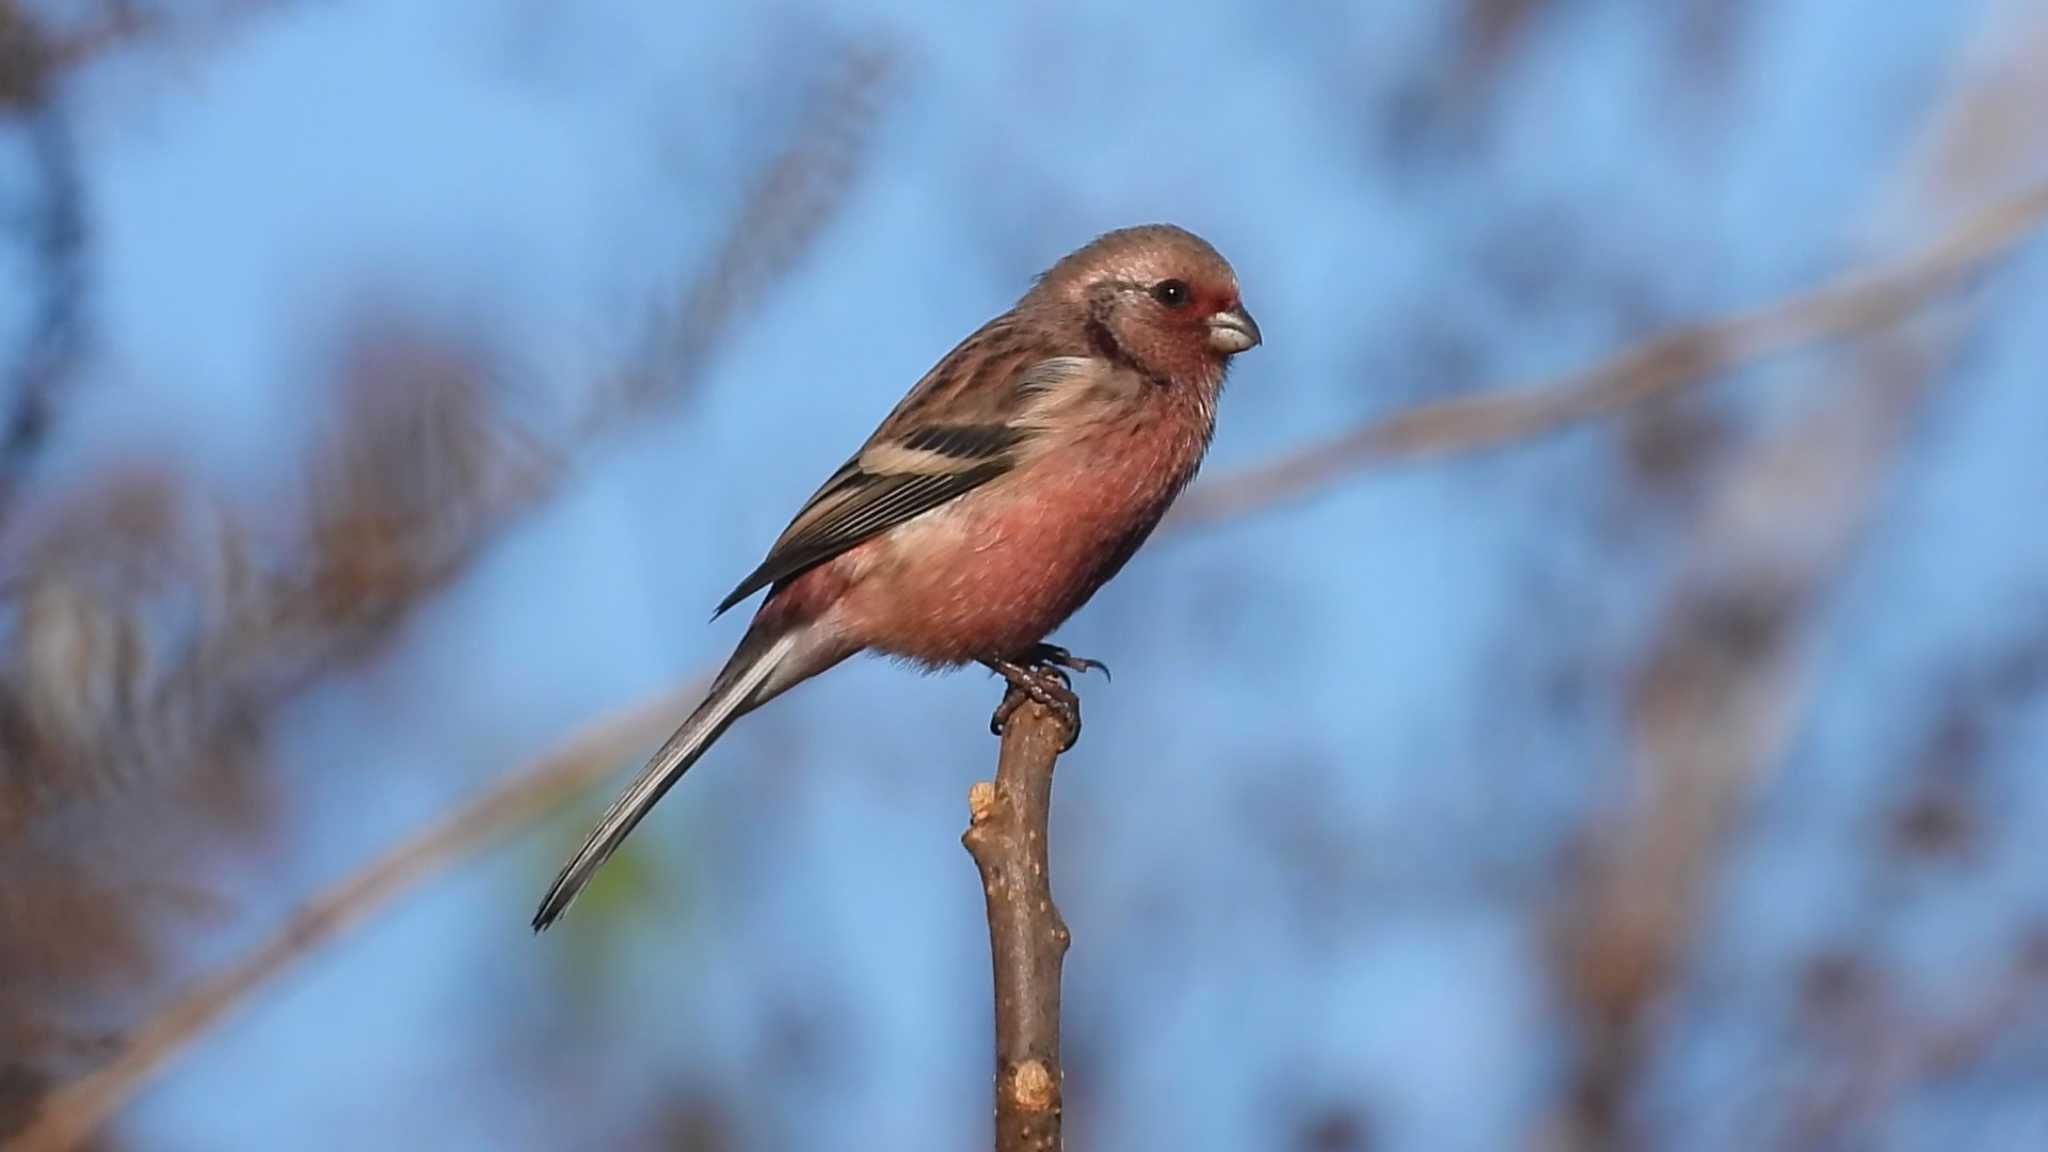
(1014, 479)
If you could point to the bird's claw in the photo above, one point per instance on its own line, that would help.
(1039, 679)
(1055, 656)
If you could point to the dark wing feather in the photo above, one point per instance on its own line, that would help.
(962, 441)
(954, 432)
(872, 504)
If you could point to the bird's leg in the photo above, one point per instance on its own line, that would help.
(1041, 683)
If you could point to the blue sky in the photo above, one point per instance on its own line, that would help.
(1310, 841)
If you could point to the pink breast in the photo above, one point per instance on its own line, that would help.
(997, 570)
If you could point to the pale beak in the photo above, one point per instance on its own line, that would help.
(1233, 332)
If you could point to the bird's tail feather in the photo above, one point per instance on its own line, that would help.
(736, 691)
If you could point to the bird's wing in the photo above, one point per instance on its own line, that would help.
(967, 422)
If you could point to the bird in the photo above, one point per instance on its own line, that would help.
(1010, 483)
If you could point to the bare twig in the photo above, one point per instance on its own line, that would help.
(78, 1109)
(1654, 369)
(1007, 836)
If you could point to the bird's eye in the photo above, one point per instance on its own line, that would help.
(1172, 293)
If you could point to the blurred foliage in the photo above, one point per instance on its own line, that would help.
(155, 635)
(156, 632)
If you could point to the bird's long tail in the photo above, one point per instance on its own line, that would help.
(744, 684)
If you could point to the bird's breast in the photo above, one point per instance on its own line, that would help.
(998, 569)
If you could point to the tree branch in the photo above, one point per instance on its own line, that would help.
(74, 1112)
(1657, 367)
(1007, 836)
(378, 550)
(1715, 704)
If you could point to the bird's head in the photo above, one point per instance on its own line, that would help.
(1157, 296)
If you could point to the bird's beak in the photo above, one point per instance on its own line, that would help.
(1233, 332)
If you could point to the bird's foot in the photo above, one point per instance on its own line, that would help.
(1058, 657)
(1038, 678)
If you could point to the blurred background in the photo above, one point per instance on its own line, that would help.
(1595, 699)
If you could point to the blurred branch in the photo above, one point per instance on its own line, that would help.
(33, 59)
(55, 225)
(1711, 708)
(419, 482)
(791, 204)
(75, 1111)
(1717, 699)
(1878, 1045)
(121, 23)
(801, 191)
(26, 59)
(1651, 370)
(1654, 369)
(1007, 834)
(48, 357)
